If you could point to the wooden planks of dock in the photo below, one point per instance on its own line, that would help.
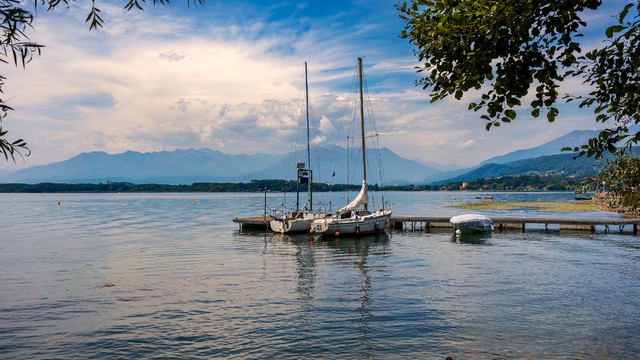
(255, 222)
(501, 224)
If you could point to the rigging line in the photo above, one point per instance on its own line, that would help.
(376, 140)
(354, 124)
(314, 126)
(372, 124)
(290, 171)
(343, 122)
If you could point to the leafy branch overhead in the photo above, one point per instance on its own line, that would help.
(510, 50)
(16, 49)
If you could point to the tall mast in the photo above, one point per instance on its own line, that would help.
(306, 87)
(364, 154)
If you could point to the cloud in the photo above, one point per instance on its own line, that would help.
(230, 77)
(319, 139)
(325, 125)
(172, 56)
(467, 144)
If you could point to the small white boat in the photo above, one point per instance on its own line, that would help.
(471, 223)
(295, 222)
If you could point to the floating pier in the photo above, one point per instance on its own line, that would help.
(501, 224)
(255, 222)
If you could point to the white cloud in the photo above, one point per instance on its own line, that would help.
(153, 81)
(469, 143)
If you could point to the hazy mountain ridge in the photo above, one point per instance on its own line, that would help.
(206, 165)
(331, 159)
(329, 164)
(486, 169)
(571, 139)
(559, 164)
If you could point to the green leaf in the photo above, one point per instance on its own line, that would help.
(535, 113)
(625, 11)
(611, 30)
(551, 117)
(510, 114)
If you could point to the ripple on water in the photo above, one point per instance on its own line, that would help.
(185, 283)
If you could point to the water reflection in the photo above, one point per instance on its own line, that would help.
(188, 284)
(473, 239)
(305, 274)
(360, 247)
(332, 275)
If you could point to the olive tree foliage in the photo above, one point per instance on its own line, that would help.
(509, 50)
(16, 49)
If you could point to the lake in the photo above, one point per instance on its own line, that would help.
(170, 276)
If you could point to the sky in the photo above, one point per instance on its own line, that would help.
(229, 76)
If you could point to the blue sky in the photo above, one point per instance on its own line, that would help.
(229, 76)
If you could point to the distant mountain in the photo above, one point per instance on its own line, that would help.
(443, 167)
(572, 139)
(164, 167)
(553, 147)
(329, 165)
(206, 165)
(560, 164)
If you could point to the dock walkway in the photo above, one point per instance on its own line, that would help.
(501, 224)
(254, 222)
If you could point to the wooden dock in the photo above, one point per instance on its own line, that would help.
(501, 224)
(255, 222)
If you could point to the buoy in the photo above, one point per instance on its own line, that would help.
(337, 233)
(58, 202)
(192, 199)
(312, 231)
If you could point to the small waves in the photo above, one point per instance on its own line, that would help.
(170, 276)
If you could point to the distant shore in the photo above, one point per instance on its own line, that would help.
(275, 186)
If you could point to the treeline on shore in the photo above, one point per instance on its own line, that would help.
(506, 183)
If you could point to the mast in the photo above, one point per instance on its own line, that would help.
(302, 173)
(306, 87)
(364, 154)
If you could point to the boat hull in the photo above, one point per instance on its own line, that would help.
(357, 225)
(295, 223)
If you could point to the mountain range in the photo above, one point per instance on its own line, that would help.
(328, 163)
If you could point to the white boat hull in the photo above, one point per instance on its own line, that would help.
(295, 223)
(471, 223)
(354, 225)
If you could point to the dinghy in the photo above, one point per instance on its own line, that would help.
(471, 223)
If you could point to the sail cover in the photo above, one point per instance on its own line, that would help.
(362, 198)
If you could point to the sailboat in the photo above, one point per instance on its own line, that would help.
(355, 218)
(299, 221)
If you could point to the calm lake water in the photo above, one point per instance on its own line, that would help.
(162, 276)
